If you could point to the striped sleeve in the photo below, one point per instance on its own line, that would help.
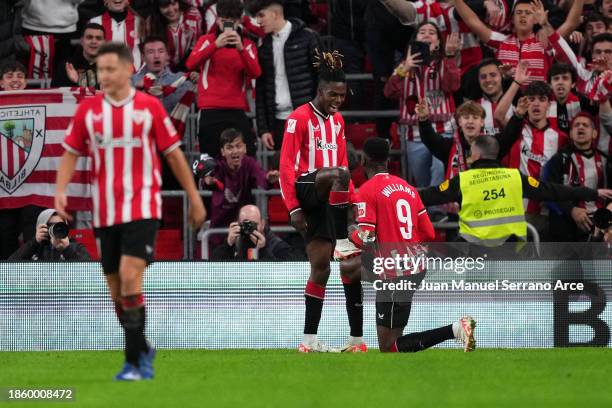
(76, 134)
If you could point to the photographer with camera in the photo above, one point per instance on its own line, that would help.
(51, 242)
(249, 238)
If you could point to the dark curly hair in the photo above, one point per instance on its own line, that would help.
(329, 66)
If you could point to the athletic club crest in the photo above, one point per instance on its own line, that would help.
(22, 138)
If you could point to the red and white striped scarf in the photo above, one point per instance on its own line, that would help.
(456, 158)
(181, 110)
(182, 39)
(581, 172)
(42, 53)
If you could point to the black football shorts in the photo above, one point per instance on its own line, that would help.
(136, 238)
(318, 212)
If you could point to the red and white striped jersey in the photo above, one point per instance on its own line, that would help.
(42, 55)
(443, 16)
(531, 151)
(125, 31)
(588, 83)
(509, 50)
(572, 104)
(436, 83)
(183, 37)
(124, 140)
(312, 140)
(491, 127)
(590, 173)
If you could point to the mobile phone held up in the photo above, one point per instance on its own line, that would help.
(423, 49)
(228, 26)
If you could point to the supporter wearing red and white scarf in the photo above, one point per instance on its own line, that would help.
(589, 80)
(445, 17)
(121, 24)
(176, 91)
(566, 105)
(522, 44)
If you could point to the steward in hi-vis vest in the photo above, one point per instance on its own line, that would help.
(491, 196)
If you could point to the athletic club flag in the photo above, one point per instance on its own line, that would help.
(32, 128)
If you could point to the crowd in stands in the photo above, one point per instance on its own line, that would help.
(536, 74)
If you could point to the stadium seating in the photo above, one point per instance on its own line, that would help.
(86, 237)
(169, 245)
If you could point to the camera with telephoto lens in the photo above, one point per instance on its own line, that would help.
(247, 227)
(204, 166)
(602, 218)
(59, 230)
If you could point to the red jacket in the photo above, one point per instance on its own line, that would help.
(224, 73)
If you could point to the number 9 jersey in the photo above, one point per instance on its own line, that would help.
(392, 208)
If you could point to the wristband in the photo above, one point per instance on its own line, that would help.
(517, 82)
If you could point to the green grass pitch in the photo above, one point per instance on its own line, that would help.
(575, 377)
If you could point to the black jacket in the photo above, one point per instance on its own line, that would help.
(347, 19)
(7, 42)
(33, 251)
(299, 56)
(441, 147)
(275, 250)
(88, 76)
(532, 189)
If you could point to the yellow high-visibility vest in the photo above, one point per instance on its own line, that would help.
(491, 206)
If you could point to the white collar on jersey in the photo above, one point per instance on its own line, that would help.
(318, 112)
(382, 173)
(118, 104)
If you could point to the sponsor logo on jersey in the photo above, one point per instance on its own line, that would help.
(291, 125)
(532, 156)
(326, 146)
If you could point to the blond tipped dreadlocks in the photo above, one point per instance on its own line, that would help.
(329, 66)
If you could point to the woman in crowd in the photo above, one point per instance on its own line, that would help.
(433, 77)
(181, 26)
